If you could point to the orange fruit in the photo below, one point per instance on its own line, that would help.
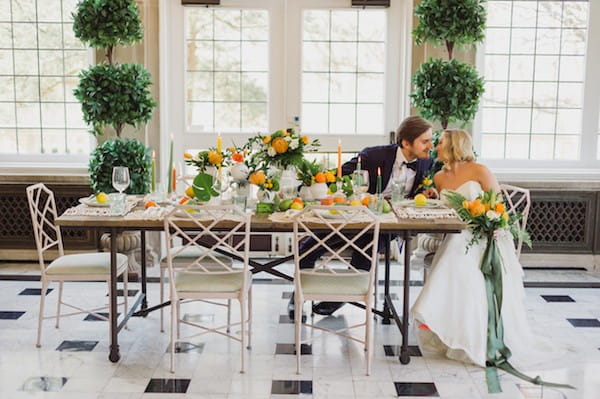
(150, 204)
(320, 177)
(183, 200)
(327, 201)
(365, 201)
(280, 145)
(339, 200)
(298, 200)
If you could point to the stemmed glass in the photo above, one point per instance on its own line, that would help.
(120, 178)
(360, 181)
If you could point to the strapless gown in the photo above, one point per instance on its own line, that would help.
(453, 301)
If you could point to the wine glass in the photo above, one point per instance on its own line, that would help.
(360, 181)
(120, 178)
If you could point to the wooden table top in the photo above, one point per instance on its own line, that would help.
(259, 223)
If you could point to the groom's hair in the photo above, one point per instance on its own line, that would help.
(411, 128)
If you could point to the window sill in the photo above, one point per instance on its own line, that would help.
(568, 178)
(48, 172)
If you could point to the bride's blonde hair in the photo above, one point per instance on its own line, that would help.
(458, 147)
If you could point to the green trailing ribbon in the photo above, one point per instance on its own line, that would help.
(497, 352)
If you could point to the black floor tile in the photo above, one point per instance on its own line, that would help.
(10, 315)
(394, 350)
(129, 292)
(584, 322)
(44, 384)
(416, 389)
(164, 385)
(557, 298)
(34, 291)
(77, 346)
(91, 317)
(291, 387)
(290, 349)
(187, 347)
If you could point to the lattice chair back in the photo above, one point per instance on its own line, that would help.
(517, 199)
(337, 229)
(213, 230)
(42, 208)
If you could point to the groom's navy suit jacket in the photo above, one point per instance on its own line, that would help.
(384, 156)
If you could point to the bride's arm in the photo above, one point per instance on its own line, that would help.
(487, 180)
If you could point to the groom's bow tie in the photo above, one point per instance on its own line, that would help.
(411, 165)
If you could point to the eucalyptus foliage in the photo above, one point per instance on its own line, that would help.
(107, 23)
(115, 95)
(120, 152)
(447, 91)
(450, 22)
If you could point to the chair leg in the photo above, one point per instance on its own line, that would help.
(174, 319)
(243, 329)
(229, 315)
(177, 316)
(58, 303)
(250, 318)
(162, 297)
(375, 290)
(297, 326)
(41, 316)
(368, 337)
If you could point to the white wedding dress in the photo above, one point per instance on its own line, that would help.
(453, 301)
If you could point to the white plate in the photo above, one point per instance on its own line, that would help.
(91, 201)
(329, 213)
(431, 203)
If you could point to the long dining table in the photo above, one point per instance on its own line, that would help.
(404, 228)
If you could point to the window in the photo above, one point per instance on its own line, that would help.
(258, 66)
(39, 62)
(534, 63)
(343, 65)
(227, 72)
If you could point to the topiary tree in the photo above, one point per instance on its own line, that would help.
(450, 23)
(111, 94)
(448, 91)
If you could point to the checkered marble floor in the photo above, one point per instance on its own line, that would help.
(73, 363)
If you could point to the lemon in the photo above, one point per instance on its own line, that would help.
(296, 205)
(355, 203)
(101, 198)
(420, 200)
(334, 212)
(190, 192)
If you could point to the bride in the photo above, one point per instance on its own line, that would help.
(452, 308)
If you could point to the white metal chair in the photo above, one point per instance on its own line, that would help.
(517, 199)
(333, 278)
(77, 267)
(195, 280)
(188, 255)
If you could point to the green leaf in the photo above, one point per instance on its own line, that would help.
(203, 187)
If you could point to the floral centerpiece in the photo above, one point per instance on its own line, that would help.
(314, 177)
(281, 149)
(486, 218)
(268, 188)
(207, 162)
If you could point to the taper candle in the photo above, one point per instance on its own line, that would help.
(169, 170)
(378, 191)
(358, 165)
(339, 159)
(153, 171)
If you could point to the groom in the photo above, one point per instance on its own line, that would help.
(407, 160)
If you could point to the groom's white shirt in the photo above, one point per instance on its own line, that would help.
(400, 172)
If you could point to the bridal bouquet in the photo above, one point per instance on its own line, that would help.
(486, 216)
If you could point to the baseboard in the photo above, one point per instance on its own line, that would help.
(588, 261)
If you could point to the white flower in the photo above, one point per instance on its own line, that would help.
(271, 151)
(287, 138)
(294, 144)
(492, 215)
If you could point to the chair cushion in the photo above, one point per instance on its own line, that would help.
(325, 282)
(190, 254)
(210, 282)
(88, 263)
